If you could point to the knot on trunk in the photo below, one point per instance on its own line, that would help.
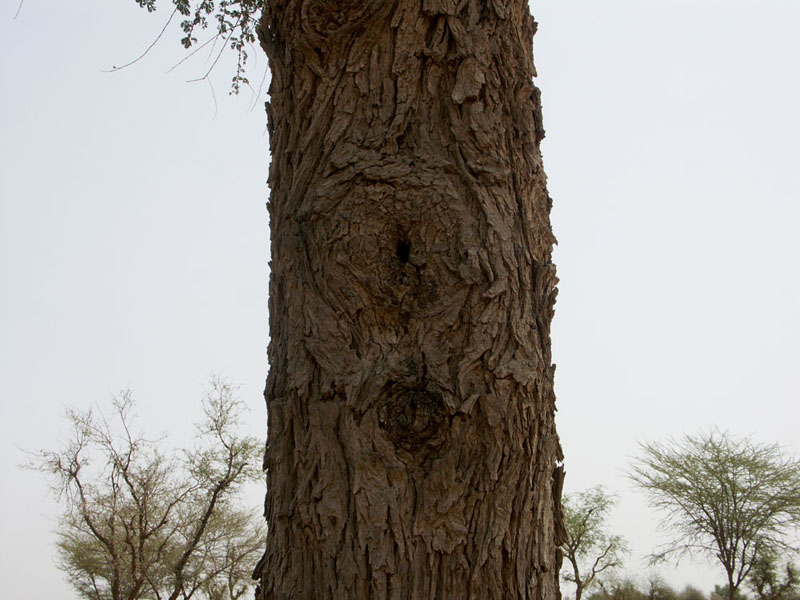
(412, 416)
(325, 19)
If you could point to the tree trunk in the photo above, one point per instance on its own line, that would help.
(571, 556)
(412, 451)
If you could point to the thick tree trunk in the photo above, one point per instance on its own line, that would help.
(412, 450)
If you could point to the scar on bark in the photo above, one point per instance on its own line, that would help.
(412, 416)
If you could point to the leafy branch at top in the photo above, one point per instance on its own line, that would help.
(233, 21)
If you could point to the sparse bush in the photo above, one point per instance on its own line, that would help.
(140, 523)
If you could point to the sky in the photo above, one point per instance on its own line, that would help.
(134, 242)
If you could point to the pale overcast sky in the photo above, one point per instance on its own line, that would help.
(133, 238)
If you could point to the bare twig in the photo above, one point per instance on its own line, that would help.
(192, 53)
(114, 69)
(216, 60)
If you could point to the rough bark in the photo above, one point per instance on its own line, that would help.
(412, 451)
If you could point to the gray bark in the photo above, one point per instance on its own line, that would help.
(412, 450)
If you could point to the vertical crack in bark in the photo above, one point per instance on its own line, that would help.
(403, 250)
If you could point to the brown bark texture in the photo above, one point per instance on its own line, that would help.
(412, 451)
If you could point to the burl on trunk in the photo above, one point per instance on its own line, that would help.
(412, 450)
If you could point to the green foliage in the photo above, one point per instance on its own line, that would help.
(691, 593)
(658, 589)
(722, 592)
(769, 583)
(618, 589)
(139, 523)
(150, 5)
(234, 22)
(589, 549)
(730, 499)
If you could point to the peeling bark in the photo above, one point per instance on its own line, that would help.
(412, 450)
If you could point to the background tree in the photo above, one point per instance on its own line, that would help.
(769, 583)
(690, 592)
(655, 588)
(730, 499)
(659, 589)
(141, 524)
(589, 549)
(722, 592)
(613, 588)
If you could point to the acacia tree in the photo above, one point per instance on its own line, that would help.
(140, 524)
(412, 449)
(730, 499)
(768, 583)
(589, 549)
(659, 589)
